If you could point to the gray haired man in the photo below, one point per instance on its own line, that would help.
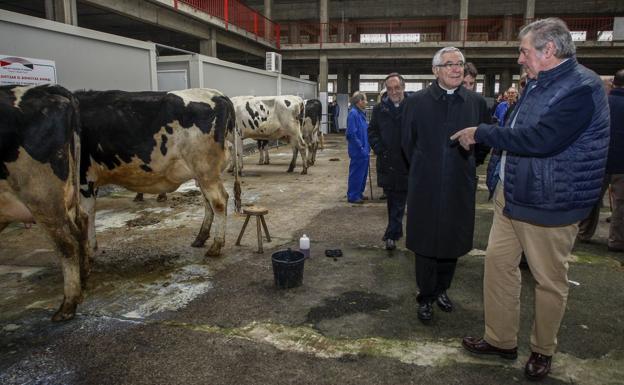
(546, 180)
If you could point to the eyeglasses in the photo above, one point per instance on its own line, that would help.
(450, 65)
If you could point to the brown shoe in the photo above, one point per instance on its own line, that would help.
(479, 346)
(537, 367)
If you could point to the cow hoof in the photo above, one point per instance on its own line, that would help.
(214, 251)
(290, 170)
(64, 313)
(304, 172)
(198, 243)
(161, 198)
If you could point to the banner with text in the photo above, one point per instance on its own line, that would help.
(26, 71)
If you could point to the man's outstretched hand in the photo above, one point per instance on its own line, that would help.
(465, 137)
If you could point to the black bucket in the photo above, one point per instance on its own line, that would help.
(288, 268)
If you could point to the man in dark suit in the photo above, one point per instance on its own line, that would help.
(384, 136)
(442, 179)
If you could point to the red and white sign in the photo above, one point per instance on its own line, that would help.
(26, 71)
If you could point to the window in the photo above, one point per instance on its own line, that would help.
(369, 87)
(579, 35)
(413, 86)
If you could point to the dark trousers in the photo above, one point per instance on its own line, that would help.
(433, 276)
(587, 227)
(396, 209)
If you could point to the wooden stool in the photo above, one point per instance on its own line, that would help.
(257, 212)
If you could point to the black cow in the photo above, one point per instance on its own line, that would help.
(39, 158)
(311, 128)
(151, 142)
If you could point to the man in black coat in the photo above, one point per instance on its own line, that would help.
(442, 183)
(615, 163)
(384, 136)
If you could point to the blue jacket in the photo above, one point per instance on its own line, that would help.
(357, 133)
(557, 149)
(615, 162)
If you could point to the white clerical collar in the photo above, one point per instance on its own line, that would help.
(449, 92)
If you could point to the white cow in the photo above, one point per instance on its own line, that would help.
(272, 117)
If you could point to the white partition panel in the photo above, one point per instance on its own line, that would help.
(85, 59)
(234, 79)
(295, 86)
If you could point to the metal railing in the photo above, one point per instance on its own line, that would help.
(503, 28)
(233, 12)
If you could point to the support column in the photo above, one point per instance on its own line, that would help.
(508, 28)
(323, 78)
(323, 72)
(208, 47)
(354, 82)
(268, 8)
(463, 20)
(63, 11)
(505, 80)
(489, 82)
(529, 11)
(342, 97)
(342, 86)
(324, 20)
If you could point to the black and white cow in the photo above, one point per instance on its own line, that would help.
(39, 161)
(152, 142)
(310, 132)
(269, 118)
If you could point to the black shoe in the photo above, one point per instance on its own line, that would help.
(537, 367)
(425, 311)
(390, 244)
(357, 201)
(444, 302)
(480, 346)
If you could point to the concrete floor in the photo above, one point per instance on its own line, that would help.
(158, 312)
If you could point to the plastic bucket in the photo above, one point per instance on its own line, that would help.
(288, 268)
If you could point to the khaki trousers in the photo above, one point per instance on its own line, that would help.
(547, 251)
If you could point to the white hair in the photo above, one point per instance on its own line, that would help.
(437, 58)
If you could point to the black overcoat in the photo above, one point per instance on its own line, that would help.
(442, 182)
(384, 137)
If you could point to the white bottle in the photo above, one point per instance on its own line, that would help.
(304, 246)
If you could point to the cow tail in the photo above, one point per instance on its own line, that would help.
(76, 133)
(237, 185)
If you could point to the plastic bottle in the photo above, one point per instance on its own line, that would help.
(304, 246)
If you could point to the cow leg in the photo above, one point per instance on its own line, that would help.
(293, 161)
(3, 225)
(266, 155)
(261, 146)
(204, 231)
(88, 205)
(138, 197)
(162, 197)
(71, 289)
(63, 232)
(303, 148)
(81, 233)
(215, 198)
(312, 154)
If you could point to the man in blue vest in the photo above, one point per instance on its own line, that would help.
(546, 180)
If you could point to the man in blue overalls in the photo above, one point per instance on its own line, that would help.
(357, 138)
